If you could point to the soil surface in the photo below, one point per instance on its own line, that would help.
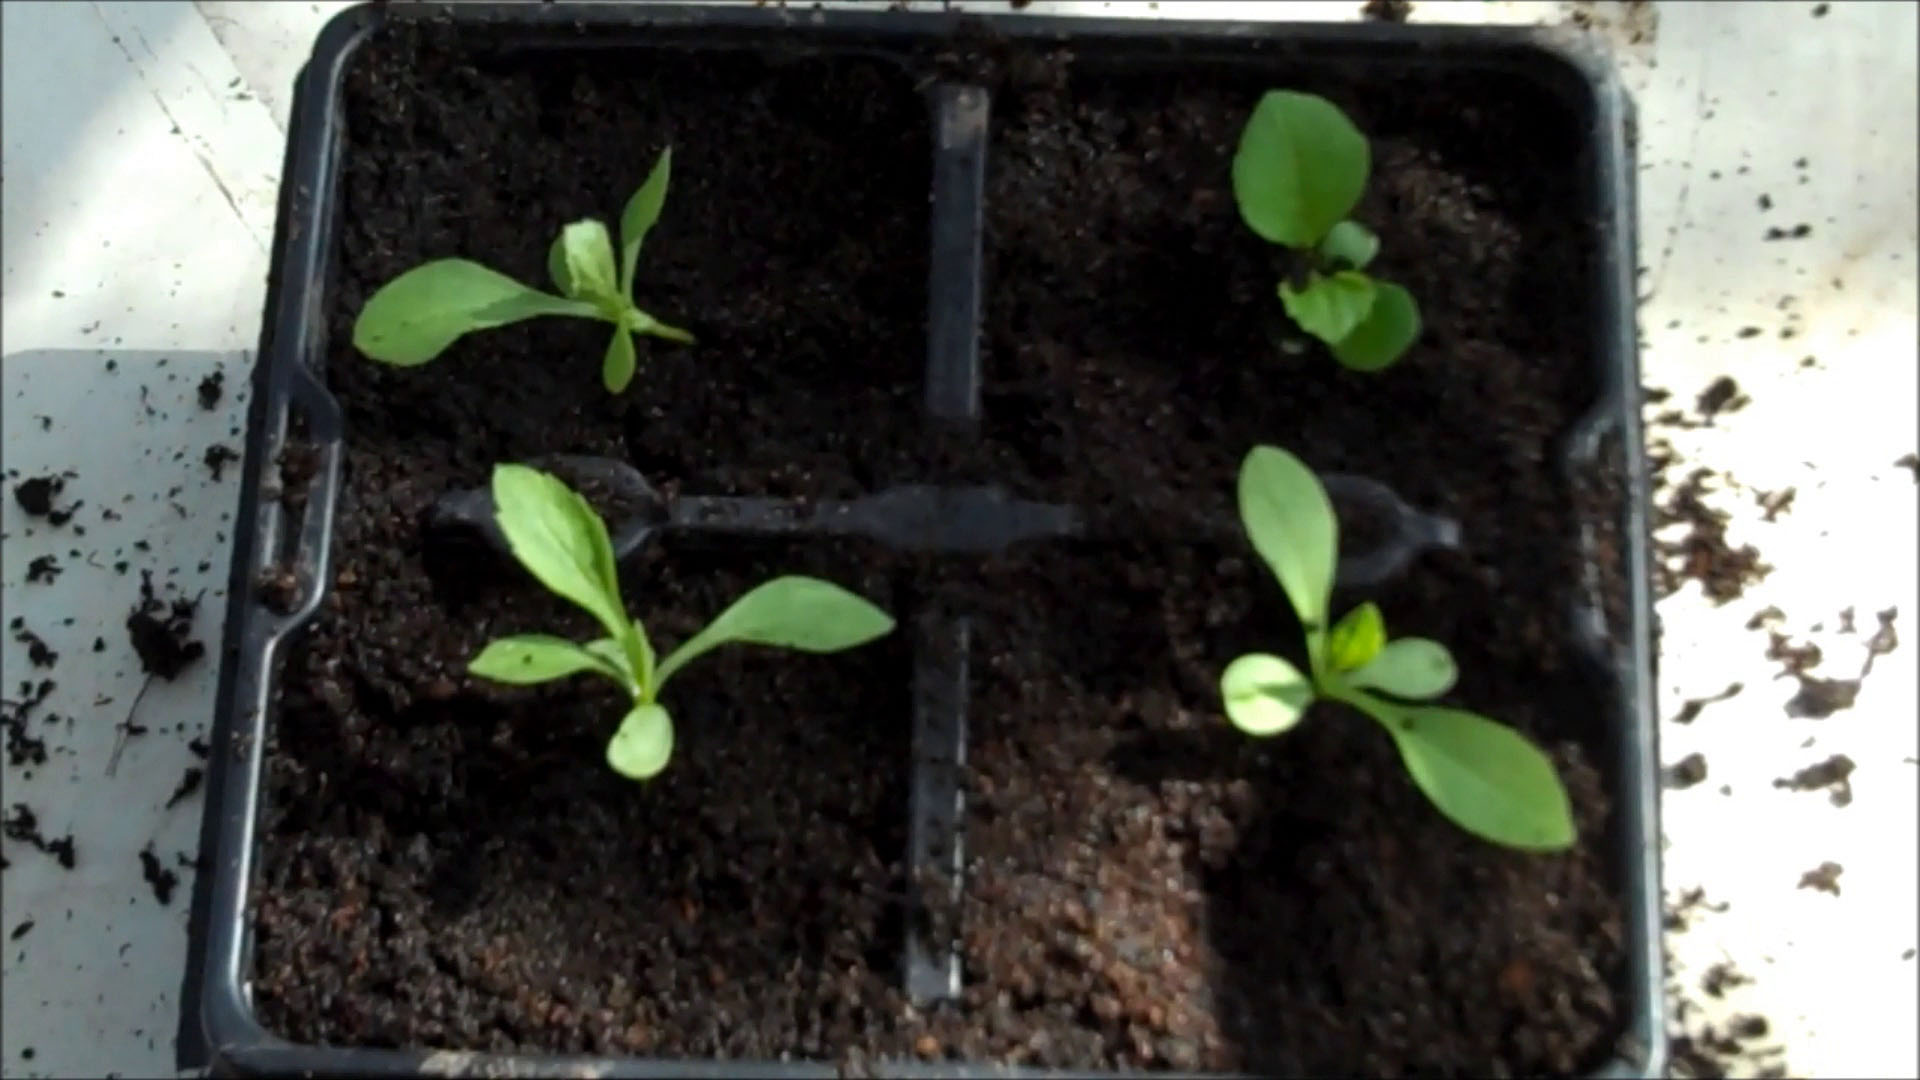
(449, 863)
(793, 246)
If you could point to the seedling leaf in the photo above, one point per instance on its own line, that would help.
(1356, 638)
(1300, 168)
(635, 669)
(643, 743)
(1331, 305)
(792, 612)
(1291, 524)
(526, 659)
(616, 371)
(1391, 327)
(1413, 668)
(589, 255)
(560, 540)
(414, 317)
(557, 265)
(1485, 777)
(642, 210)
(1264, 694)
(643, 323)
(1351, 243)
(643, 657)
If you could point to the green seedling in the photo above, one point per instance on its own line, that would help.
(563, 543)
(414, 317)
(1484, 776)
(1299, 172)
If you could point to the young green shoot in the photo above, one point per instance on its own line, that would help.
(1484, 776)
(414, 317)
(1298, 173)
(563, 543)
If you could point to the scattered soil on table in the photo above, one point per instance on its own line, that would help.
(162, 631)
(1824, 878)
(217, 458)
(1883, 641)
(24, 748)
(1691, 708)
(211, 388)
(1722, 977)
(21, 824)
(1831, 774)
(1686, 772)
(160, 879)
(39, 653)
(43, 570)
(1775, 503)
(1819, 696)
(189, 783)
(1721, 396)
(1392, 11)
(36, 496)
(449, 863)
(793, 245)
(1717, 1051)
(1679, 915)
(1702, 552)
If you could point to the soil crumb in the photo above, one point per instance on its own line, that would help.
(156, 875)
(21, 824)
(43, 570)
(1721, 396)
(1774, 503)
(189, 783)
(1690, 709)
(24, 748)
(1391, 11)
(1824, 878)
(211, 389)
(217, 458)
(1679, 915)
(1722, 977)
(1831, 774)
(1883, 641)
(39, 653)
(1702, 553)
(1820, 698)
(36, 496)
(161, 632)
(1686, 772)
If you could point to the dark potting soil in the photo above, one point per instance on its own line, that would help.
(1149, 888)
(1289, 907)
(793, 246)
(449, 863)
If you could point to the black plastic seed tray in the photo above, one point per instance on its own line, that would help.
(291, 403)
